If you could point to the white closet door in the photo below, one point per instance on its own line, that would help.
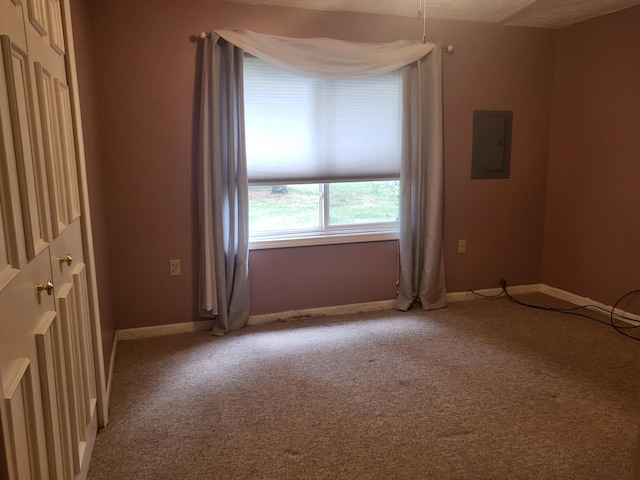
(48, 404)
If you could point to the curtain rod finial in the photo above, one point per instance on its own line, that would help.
(203, 35)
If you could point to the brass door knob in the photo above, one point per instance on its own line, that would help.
(48, 287)
(68, 259)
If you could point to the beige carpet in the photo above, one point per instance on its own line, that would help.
(484, 389)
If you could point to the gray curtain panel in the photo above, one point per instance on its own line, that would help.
(223, 189)
(422, 279)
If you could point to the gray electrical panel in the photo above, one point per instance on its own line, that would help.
(491, 157)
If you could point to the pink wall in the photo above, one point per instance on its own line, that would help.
(496, 68)
(287, 279)
(142, 102)
(593, 201)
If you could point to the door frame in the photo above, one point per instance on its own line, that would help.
(85, 217)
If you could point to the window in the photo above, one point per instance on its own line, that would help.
(323, 155)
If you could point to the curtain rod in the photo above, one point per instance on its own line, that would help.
(446, 49)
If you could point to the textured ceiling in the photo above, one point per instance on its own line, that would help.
(530, 13)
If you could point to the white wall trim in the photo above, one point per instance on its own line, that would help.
(587, 302)
(547, 290)
(112, 366)
(489, 292)
(160, 330)
(320, 312)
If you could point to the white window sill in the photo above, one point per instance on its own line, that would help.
(332, 239)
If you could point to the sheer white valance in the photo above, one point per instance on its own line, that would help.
(327, 57)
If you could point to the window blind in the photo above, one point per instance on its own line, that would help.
(316, 130)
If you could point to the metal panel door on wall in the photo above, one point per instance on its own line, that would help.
(48, 402)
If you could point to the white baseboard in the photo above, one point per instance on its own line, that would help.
(489, 292)
(587, 302)
(187, 327)
(321, 312)
(160, 330)
(112, 365)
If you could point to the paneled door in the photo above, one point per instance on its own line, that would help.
(50, 356)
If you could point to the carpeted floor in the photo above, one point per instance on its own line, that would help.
(484, 389)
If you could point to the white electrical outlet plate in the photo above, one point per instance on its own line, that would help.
(174, 267)
(462, 246)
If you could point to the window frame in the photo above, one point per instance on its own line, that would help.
(326, 234)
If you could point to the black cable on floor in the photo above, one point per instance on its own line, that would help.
(617, 327)
(573, 310)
